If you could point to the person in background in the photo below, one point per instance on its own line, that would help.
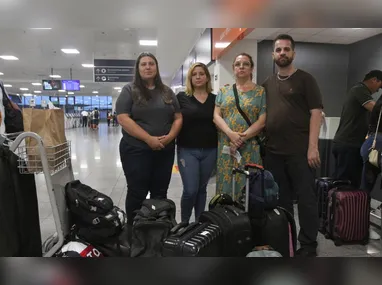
(109, 118)
(115, 122)
(95, 118)
(84, 115)
(234, 132)
(353, 127)
(150, 116)
(197, 140)
(370, 172)
(294, 118)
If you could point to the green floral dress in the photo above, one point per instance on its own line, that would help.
(253, 104)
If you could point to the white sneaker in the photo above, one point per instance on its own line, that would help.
(374, 235)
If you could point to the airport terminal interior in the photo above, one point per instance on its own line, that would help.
(43, 67)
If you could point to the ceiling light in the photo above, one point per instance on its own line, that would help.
(70, 51)
(70, 93)
(356, 28)
(7, 85)
(40, 28)
(88, 65)
(221, 45)
(117, 88)
(37, 91)
(55, 76)
(82, 86)
(24, 89)
(8, 57)
(95, 92)
(62, 91)
(36, 84)
(1, 73)
(148, 43)
(27, 94)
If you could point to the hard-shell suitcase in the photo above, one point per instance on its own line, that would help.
(195, 239)
(323, 186)
(348, 216)
(234, 223)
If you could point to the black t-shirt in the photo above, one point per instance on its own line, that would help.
(353, 126)
(289, 103)
(198, 130)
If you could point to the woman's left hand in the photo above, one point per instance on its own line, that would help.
(165, 140)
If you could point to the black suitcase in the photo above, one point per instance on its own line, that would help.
(323, 186)
(193, 240)
(234, 223)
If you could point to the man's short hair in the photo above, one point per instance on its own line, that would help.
(285, 37)
(374, 73)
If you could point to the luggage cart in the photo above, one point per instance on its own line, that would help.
(55, 164)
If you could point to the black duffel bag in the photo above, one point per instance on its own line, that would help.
(82, 200)
(152, 225)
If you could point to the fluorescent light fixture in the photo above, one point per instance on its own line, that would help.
(62, 91)
(40, 28)
(357, 28)
(55, 76)
(88, 65)
(24, 89)
(97, 157)
(148, 42)
(36, 84)
(117, 88)
(37, 91)
(1, 73)
(221, 45)
(95, 92)
(82, 86)
(7, 85)
(70, 51)
(8, 57)
(70, 93)
(27, 94)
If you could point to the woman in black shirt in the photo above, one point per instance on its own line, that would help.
(197, 141)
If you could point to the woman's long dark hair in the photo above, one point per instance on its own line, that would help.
(141, 94)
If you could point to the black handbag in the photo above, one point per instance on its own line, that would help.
(260, 140)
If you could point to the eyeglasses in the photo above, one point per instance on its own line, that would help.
(244, 64)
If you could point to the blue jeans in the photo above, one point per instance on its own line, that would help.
(195, 167)
(369, 172)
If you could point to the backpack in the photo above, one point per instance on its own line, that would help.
(151, 226)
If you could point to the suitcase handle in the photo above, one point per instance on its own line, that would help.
(341, 183)
(253, 165)
(178, 227)
(246, 173)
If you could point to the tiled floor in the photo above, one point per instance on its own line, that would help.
(95, 159)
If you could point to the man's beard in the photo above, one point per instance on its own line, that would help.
(284, 61)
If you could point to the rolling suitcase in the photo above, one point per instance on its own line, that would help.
(323, 186)
(348, 216)
(193, 240)
(234, 223)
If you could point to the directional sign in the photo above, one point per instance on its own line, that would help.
(113, 70)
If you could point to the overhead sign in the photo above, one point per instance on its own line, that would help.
(113, 70)
(224, 38)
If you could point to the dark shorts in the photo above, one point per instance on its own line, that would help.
(95, 121)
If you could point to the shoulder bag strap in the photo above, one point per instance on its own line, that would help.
(242, 112)
(376, 130)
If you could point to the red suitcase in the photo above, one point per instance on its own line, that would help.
(348, 216)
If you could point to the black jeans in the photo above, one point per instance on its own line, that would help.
(293, 173)
(348, 163)
(146, 171)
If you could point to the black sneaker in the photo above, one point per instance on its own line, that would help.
(305, 252)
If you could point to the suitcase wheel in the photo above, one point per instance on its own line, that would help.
(327, 236)
(337, 242)
(365, 242)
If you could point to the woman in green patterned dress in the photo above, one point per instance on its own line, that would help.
(234, 132)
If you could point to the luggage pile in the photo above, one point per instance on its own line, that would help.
(344, 211)
(252, 226)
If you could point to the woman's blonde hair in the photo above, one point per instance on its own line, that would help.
(189, 87)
